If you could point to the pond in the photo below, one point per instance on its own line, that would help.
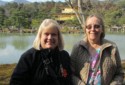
(13, 45)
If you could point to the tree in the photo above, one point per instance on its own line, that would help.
(7, 22)
(20, 19)
(2, 16)
(91, 6)
(79, 13)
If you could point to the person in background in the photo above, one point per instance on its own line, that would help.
(46, 63)
(95, 60)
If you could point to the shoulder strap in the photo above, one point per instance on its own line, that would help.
(49, 70)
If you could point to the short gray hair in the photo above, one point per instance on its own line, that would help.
(48, 23)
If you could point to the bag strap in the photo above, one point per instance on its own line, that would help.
(49, 70)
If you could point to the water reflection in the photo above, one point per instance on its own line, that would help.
(2, 45)
(13, 45)
(19, 43)
(70, 40)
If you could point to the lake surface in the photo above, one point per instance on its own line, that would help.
(13, 45)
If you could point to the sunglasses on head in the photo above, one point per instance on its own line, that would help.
(96, 26)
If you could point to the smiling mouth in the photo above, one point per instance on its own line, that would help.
(50, 43)
(93, 33)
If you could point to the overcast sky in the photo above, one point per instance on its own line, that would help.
(37, 0)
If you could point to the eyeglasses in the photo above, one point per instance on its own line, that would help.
(96, 26)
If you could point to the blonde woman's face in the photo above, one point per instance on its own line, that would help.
(49, 38)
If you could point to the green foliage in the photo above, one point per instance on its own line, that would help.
(35, 23)
(30, 15)
(2, 16)
(121, 3)
(112, 16)
(73, 22)
(121, 20)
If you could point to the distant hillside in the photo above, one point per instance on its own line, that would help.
(18, 1)
(21, 1)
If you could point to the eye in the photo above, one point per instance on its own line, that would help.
(54, 34)
(88, 27)
(97, 26)
(46, 34)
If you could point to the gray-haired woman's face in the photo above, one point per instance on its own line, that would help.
(49, 38)
(93, 29)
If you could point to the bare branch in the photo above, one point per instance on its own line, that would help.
(78, 10)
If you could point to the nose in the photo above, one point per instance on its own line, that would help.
(92, 28)
(49, 36)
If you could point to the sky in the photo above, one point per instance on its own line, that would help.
(37, 0)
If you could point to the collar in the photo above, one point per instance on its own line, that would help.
(104, 43)
(49, 51)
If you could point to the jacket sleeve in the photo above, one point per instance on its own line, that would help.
(75, 75)
(119, 74)
(21, 73)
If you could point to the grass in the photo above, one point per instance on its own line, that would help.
(7, 69)
(5, 73)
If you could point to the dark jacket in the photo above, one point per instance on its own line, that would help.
(42, 67)
(111, 70)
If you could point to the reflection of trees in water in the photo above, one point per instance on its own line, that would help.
(2, 45)
(20, 43)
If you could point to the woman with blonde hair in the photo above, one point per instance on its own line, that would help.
(46, 63)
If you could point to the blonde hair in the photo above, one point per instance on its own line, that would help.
(48, 23)
(101, 23)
